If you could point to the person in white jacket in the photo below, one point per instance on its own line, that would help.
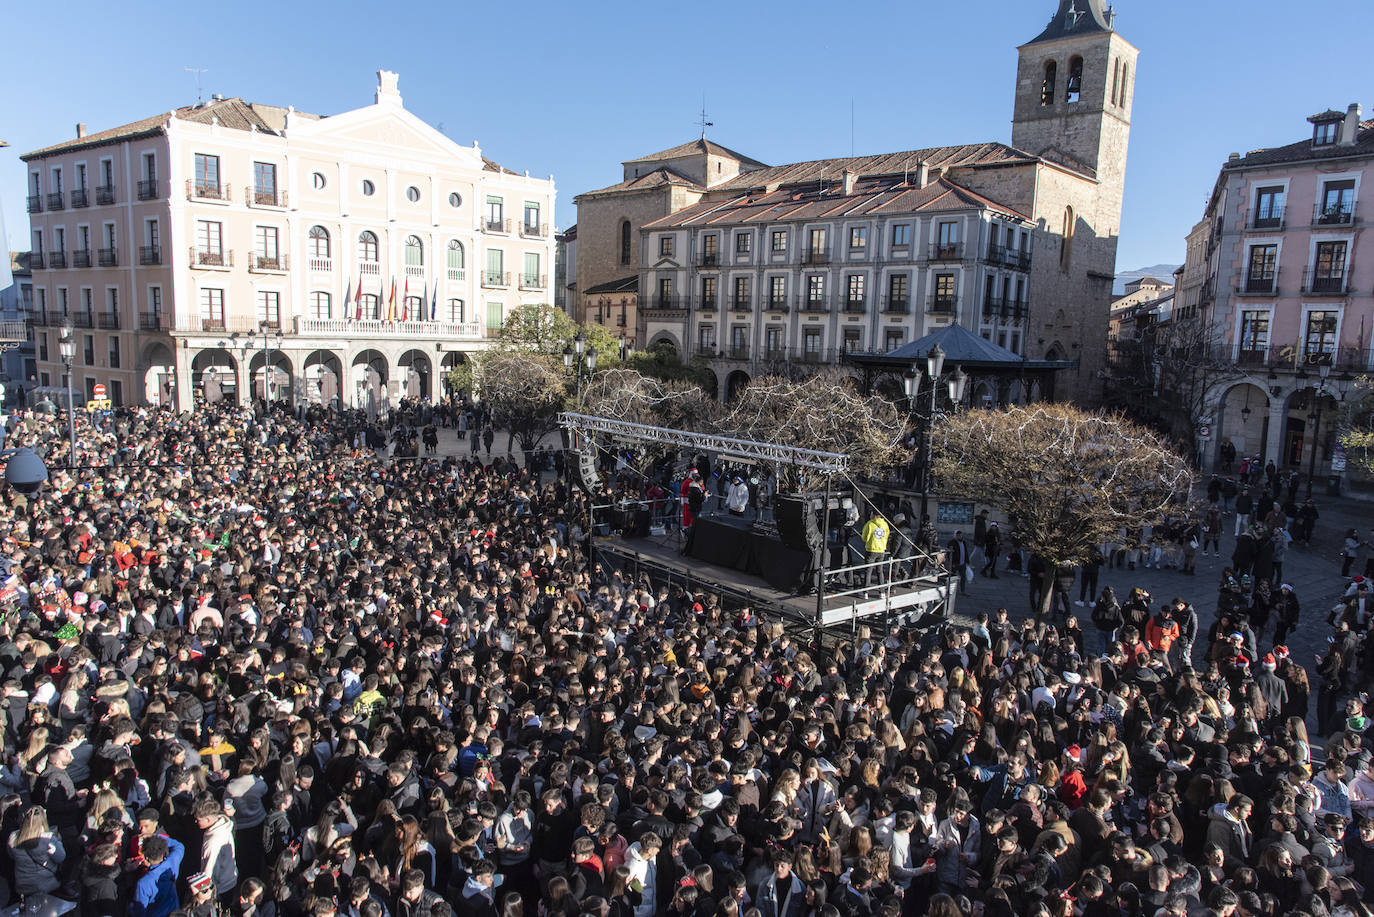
(217, 848)
(958, 842)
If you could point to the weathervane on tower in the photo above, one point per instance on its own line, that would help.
(703, 123)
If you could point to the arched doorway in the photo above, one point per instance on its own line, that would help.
(735, 383)
(416, 375)
(323, 379)
(275, 383)
(665, 344)
(159, 375)
(1242, 419)
(711, 383)
(369, 380)
(452, 360)
(215, 375)
(1306, 427)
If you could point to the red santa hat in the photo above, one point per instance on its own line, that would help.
(1270, 662)
(1074, 753)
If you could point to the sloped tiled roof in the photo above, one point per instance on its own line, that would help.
(871, 197)
(940, 157)
(623, 285)
(694, 148)
(233, 113)
(489, 166)
(1304, 150)
(658, 178)
(961, 347)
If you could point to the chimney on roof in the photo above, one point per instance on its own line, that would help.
(387, 93)
(922, 174)
(1350, 126)
(850, 177)
(216, 97)
(1233, 157)
(80, 129)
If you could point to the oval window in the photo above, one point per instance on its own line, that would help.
(455, 199)
(318, 179)
(412, 194)
(368, 188)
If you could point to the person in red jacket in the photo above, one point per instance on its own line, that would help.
(1162, 630)
(1072, 786)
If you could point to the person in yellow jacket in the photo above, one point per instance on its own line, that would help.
(874, 536)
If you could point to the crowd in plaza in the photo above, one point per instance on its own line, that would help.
(262, 664)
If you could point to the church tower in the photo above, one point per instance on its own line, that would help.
(1074, 85)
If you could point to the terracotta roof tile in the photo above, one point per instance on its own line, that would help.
(694, 148)
(1304, 150)
(882, 164)
(658, 178)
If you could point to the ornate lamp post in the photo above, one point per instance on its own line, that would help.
(66, 346)
(955, 383)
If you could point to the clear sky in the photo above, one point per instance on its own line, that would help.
(574, 88)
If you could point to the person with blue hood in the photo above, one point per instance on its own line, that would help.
(155, 895)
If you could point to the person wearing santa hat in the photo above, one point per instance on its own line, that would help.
(1271, 687)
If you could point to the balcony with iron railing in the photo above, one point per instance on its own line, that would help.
(1259, 283)
(35, 204)
(533, 230)
(896, 305)
(105, 195)
(212, 259)
(270, 198)
(147, 189)
(1291, 358)
(154, 321)
(1333, 215)
(81, 319)
(35, 261)
(946, 251)
(737, 352)
(1317, 282)
(149, 254)
(533, 281)
(80, 198)
(942, 303)
(202, 191)
(775, 354)
(212, 325)
(855, 304)
(378, 328)
(992, 307)
(778, 304)
(817, 304)
(55, 201)
(491, 225)
(742, 303)
(815, 356)
(1269, 219)
(495, 278)
(667, 302)
(81, 257)
(705, 304)
(107, 321)
(708, 260)
(268, 264)
(108, 257)
(815, 256)
(1015, 258)
(57, 260)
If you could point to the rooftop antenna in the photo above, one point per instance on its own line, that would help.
(703, 123)
(200, 95)
(440, 127)
(851, 127)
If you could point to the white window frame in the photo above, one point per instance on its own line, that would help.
(1307, 309)
(1239, 323)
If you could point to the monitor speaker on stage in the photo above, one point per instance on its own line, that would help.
(583, 467)
(797, 527)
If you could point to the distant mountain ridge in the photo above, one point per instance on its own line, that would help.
(1163, 272)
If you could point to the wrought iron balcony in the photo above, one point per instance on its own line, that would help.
(855, 303)
(1261, 283)
(260, 263)
(816, 304)
(1295, 358)
(708, 259)
(212, 258)
(776, 354)
(264, 197)
(81, 257)
(668, 301)
(815, 356)
(147, 189)
(207, 192)
(946, 251)
(1334, 215)
(35, 261)
(82, 319)
(1325, 283)
(80, 198)
(154, 321)
(212, 324)
(105, 195)
(897, 305)
(1270, 218)
(55, 201)
(109, 257)
(107, 321)
(491, 225)
(150, 254)
(57, 260)
(942, 303)
(495, 278)
(35, 203)
(533, 230)
(777, 304)
(992, 306)
(704, 304)
(533, 281)
(738, 353)
(742, 303)
(815, 256)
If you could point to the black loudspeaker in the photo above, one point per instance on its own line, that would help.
(583, 468)
(796, 519)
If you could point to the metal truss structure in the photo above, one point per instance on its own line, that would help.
(584, 425)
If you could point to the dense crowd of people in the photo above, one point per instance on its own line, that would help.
(259, 664)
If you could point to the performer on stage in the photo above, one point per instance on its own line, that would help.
(693, 497)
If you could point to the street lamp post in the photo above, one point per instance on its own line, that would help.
(956, 381)
(573, 355)
(66, 345)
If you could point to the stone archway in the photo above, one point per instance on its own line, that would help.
(323, 376)
(369, 376)
(712, 383)
(452, 360)
(275, 384)
(665, 342)
(215, 375)
(416, 375)
(1242, 419)
(1306, 429)
(159, 375)
(735, 383)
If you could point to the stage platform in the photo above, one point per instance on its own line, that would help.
(663, 554)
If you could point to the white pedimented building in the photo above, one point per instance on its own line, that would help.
(232, 246)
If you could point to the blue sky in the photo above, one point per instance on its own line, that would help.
(574, 88)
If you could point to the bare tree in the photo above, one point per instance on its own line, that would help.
(1069, 480)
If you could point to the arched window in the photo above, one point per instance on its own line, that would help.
(455, 311)
(321, 306)
(455, 256)
(415, 251)
(1074, 89)
(624, 241)
(1125, 85)
(1116, 79)
(319, 242)
(1047, 87)
(1066, 250)
(367, 246)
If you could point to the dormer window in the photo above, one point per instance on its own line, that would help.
(1324, 133)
